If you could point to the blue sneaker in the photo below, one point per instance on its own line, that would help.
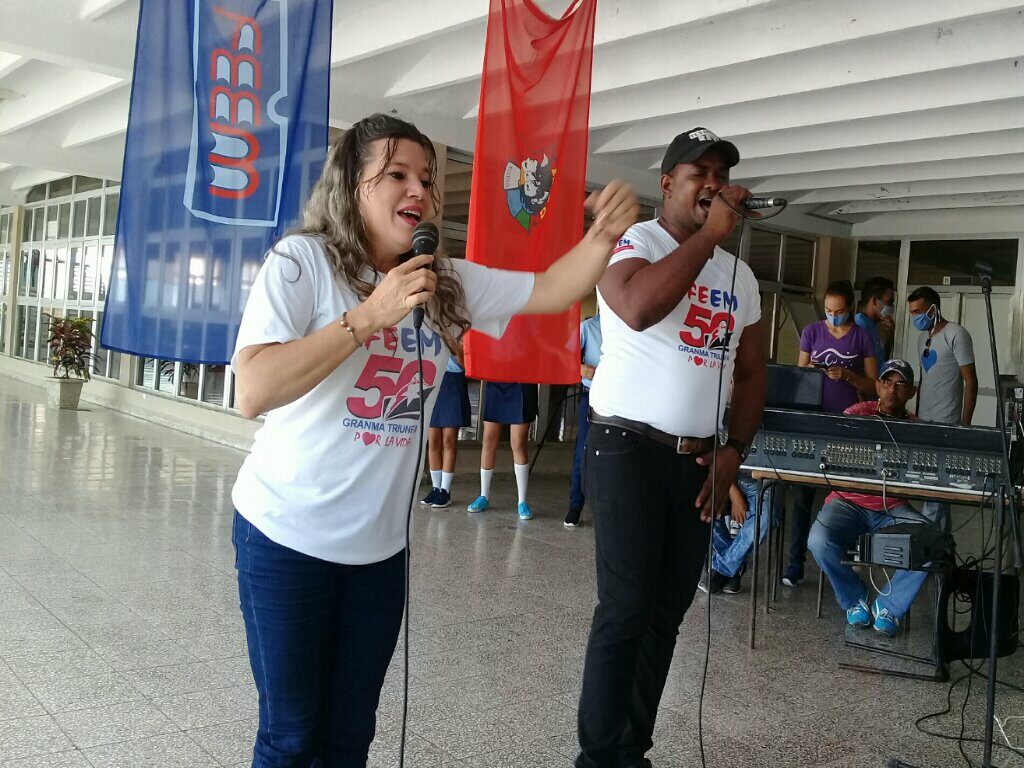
(442, 500)
(885, 622)
(479, 505)
(525, 513)
(430, 498)
(859, 615)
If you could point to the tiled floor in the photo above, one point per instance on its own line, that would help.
(121, 642)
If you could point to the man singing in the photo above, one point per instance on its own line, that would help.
(671, 318)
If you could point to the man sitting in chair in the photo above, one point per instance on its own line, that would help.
(847, 516)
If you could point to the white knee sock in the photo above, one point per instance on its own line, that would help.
(446, 481)
(522, 480)
(435, 478)
(485, 481)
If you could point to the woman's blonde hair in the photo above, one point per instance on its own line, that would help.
(332, 214)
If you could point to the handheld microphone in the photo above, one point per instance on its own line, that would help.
(757, 203)
(425, 238)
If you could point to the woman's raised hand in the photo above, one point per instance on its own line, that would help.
(403, 288)
(615, 210)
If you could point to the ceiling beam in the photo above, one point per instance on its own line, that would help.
(998, 165)
(616, 22)
(671, 49)
(60, 39)
(907, 189)
(57, 95)
(984, 144)
(93, 9)
(86, 161)
(994, 81)
(972, 41)
(30, 177)
(982, 221)
(99, 120)
(10, 62)
(933, 202)
(916, 126)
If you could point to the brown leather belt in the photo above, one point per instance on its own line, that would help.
(686, 445)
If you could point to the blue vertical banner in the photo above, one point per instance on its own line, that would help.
(227, 132)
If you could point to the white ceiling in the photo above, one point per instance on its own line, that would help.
(860, 113)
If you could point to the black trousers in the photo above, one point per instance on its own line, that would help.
(651, 547)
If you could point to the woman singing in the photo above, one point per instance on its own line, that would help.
(327, 350)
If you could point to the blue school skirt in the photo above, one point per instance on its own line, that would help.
(510, 403)
(452, 407)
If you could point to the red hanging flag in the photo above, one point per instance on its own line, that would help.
(529, 175)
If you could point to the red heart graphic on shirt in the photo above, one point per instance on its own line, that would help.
(698, 361)
(369, 438)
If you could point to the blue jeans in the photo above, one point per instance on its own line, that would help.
(576, 498)
(835, 532)
(730, 552)
(320, 637)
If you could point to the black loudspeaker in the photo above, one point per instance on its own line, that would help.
(974, 641)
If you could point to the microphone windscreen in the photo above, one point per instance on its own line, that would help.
(425, 238)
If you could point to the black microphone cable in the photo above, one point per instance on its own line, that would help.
(714, 458)
(417, 321)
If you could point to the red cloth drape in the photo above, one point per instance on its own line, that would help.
(529, 175)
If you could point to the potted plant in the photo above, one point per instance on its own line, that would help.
(70, 345)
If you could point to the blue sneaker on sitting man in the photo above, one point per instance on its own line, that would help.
(845, 517)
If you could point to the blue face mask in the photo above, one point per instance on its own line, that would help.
(888, 310)
(925, 320)
(838, 320)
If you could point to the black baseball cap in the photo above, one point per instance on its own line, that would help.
(901, 367)
(691, 144)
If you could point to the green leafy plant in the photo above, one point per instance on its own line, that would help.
(70, 344)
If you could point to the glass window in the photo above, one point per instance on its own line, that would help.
(87, 184)
(3, 326)
(60, 283)
(165, 379)
(23, 275)
(61, 187)
(196, 281)
(798, 265)
(31, 318)
(147, 373)
(51, 223)
(89, 272)
(5, 272)
(92, 217)
(38, 224)
(64, 221)
(36, 194)
(765, 248)
(113, 364)
(877, 258)
(21, 331)
(188, 386)
(951, 262)
(99, 362)
(5, 228)
(33, 274)
(213, 384)
(74, 273)
(46, 275)
(106, 261)
(78, 219)
(110, 214)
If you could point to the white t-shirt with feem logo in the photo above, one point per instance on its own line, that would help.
(330, 474)
(667, 376)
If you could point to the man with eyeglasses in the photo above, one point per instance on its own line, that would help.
(847, 516)
(949, 382)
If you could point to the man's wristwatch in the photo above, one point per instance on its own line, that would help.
(741, 447)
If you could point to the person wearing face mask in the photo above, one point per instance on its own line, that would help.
(878, 309)
(945, 354)
(846, 353)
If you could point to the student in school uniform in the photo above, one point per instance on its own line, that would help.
(451, 413)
